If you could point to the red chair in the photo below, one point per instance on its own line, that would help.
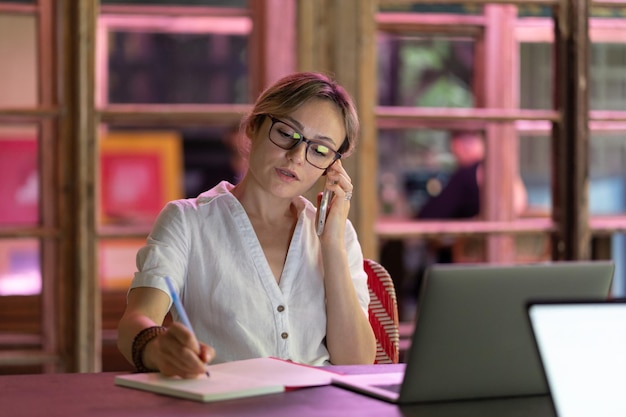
(383, 312)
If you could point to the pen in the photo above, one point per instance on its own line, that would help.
(181, 310)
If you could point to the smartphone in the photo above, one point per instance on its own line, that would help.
(322, 211)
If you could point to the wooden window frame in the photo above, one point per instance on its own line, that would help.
(522, 119)
(492, 225)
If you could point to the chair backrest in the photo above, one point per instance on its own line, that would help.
(383, 312)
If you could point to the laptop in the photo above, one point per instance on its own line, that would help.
(472, 338)
(582, 346)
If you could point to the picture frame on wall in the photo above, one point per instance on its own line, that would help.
(19, 181)
(139, 173)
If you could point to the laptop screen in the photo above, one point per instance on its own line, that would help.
(582, 346)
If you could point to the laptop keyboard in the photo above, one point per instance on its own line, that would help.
(390, 387)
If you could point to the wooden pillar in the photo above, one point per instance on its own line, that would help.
(339, 37)
(78, 292)
(48, 53)
(501, 161)
(273, 42)
(572, 240)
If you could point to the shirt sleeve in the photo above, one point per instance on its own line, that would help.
(165, 252)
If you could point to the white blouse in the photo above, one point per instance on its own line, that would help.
(207, 246)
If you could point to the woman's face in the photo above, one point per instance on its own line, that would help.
(286, 173)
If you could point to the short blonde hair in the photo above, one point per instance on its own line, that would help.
(290, 92)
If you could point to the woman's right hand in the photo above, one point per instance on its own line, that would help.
(175, 352)
(178, 353)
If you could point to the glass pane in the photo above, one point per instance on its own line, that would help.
(434, 7)
(535, 169)
(155, 67)
(19, 176)
(20, 271)
(607, 172)
(425, 71)
(211, 155)
(20, 300)
(116, 262)
(18, 75)
(212, 3)
(417, 165)
(534, 11)
(619, 11)
(536, 64)
(142, 168)
(408, 160)
(607, 85)
(607, 77)
(414, 166)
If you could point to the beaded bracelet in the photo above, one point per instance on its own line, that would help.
(139, 344)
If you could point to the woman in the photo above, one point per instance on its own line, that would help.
(254, 277)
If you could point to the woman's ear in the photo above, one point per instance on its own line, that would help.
(250, 131)
(253, 126)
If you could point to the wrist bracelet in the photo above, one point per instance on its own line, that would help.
(139, 344)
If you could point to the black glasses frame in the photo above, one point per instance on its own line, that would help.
(297, 142)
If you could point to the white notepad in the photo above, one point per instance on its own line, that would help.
(238, 379)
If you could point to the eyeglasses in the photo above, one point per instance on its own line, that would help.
(287, 137)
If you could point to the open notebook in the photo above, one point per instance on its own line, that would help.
(472, 338)
(583, 351)
(237, 379)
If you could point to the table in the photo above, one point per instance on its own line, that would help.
(95, 395)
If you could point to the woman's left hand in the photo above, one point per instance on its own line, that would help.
(339, 182)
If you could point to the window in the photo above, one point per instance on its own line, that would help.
(29, 232)
(441, 67)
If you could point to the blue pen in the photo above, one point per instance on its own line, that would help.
(181, 310)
